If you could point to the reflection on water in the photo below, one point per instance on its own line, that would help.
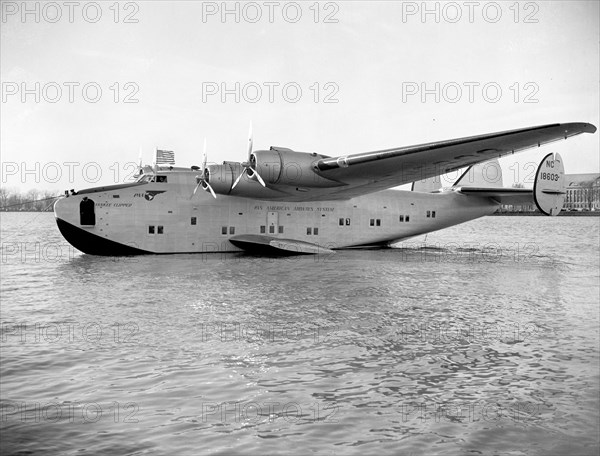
(481, 338)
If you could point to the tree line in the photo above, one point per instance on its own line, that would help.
(12, 200)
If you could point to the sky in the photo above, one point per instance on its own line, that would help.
(87, 87)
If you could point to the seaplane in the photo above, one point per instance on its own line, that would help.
(281, 201)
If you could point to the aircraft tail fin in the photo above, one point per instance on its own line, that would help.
(487, 174)
(429, 185)
(548, 193)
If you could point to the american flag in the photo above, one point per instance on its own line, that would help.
(165, 157)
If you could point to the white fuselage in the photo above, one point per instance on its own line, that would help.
(166, 217)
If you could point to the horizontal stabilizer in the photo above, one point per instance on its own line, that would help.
(548, 191)
(502, 195)
(266, 244)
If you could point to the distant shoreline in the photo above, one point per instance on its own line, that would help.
(539, 214)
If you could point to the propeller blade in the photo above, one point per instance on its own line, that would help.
(250, 141)
(204, 157)
(212, 192)
(247, 166)
(239, 178)
(262, 182)
(196, 188)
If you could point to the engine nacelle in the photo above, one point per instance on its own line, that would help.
(282, 170)
(280, 166)
(222, 177)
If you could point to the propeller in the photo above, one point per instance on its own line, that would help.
(250, 165)
(203, 179)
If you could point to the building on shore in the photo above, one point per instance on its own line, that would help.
(583, 194)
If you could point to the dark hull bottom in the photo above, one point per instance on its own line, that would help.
(93, 244)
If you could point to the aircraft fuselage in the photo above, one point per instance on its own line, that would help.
(166, 217)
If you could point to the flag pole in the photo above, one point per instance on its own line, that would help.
(155, 168)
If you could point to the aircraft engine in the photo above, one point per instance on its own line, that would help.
(221, 178)
(281, 166)
(277, 167)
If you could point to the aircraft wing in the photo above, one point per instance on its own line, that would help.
(369, 172)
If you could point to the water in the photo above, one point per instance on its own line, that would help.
(479, 339)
